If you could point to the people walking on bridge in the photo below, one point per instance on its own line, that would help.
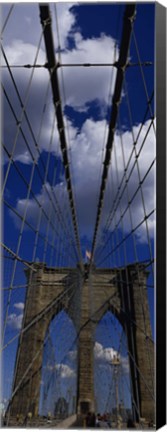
(102, 422)
(130, 423)
(90, 420)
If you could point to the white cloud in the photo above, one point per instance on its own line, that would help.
(31, 208)
(15, 321)
(86, 84)
(81, 86)
(66, 20)
(63, 370)
(86, 156)
(19, 305)
(144, 201)
(104, 357)
(20, 53)
(26, 17)
(104, 354)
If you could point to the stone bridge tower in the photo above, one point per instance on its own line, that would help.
(123, 292)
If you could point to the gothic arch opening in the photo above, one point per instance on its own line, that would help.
(58, 386)
(112, 384)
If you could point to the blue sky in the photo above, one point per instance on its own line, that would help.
(87, 33)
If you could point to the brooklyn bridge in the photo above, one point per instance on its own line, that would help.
(78, 194)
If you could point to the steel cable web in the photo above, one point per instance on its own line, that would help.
(14, 257)
(65, 245)
(28, 188)
(116, 236)
(116, 219)
(23, 217)
(121, 66)
(52, 67)
(123, 187)
(55, 205)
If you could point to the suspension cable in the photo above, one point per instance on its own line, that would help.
(129, 16)
(47, 30)
(6, 20)
(18, 122)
